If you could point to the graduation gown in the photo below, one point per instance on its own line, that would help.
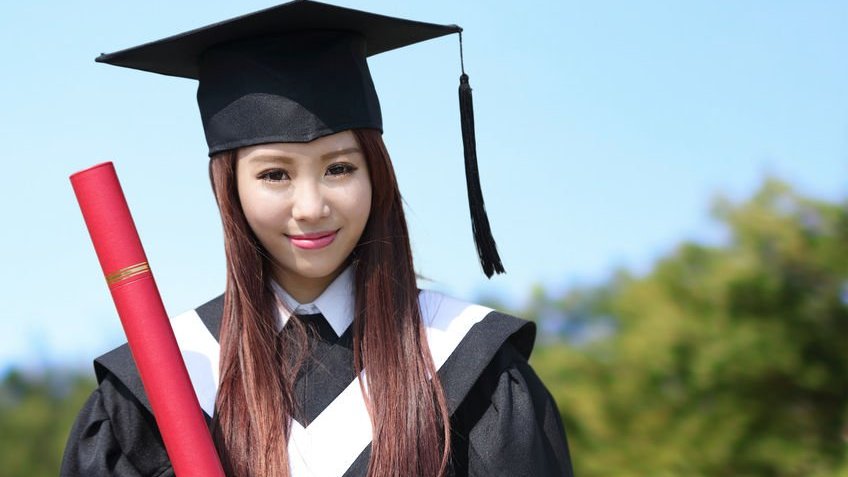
(504, 422)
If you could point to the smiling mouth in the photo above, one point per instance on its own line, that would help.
(314, 240)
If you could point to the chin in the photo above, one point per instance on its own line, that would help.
(314, 269)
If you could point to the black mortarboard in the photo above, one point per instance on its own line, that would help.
(294, 73)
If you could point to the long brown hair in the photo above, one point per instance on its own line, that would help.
(409, 414)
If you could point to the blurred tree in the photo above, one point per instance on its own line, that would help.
(724, 361)
(36, 414)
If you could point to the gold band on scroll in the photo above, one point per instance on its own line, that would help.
(127, 272)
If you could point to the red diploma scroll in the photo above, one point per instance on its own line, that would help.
(151, 339)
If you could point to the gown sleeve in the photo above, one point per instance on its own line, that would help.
(511, 424)
(114, 435)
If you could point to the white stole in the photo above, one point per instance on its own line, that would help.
(331, 443)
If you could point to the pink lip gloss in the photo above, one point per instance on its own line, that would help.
(313, 241)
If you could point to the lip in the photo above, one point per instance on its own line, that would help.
(314, 240)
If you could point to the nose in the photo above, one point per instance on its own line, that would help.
(309, 202)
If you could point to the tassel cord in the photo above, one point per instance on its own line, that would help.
(483, 239)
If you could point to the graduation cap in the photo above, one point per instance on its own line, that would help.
(296, 72)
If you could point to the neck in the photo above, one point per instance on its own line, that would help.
(305, 289)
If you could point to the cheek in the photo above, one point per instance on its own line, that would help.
(264, 216)
(264, 212)
(361, 205)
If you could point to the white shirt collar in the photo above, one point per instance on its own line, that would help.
(335, 303)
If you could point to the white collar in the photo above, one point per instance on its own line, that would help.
(335, 303)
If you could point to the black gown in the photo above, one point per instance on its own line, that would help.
(504, 421)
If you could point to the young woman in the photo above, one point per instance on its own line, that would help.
(322, 357)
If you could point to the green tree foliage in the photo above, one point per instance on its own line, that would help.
(36, 414)
(725, 360)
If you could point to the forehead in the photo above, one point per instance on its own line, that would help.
(333, 143)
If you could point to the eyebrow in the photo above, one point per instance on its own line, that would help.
(324, 157)
(341, 152)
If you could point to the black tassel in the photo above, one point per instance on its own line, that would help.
(486, 247)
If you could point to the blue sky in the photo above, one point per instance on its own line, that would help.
(604, 130)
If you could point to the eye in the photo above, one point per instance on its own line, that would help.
(274, 175)
(340, 169)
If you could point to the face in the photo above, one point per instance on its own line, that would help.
(308, 204)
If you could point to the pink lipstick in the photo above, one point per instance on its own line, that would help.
(314, 240)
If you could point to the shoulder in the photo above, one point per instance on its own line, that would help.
(197, 334)
(115, 432)
(475, 324)
(505, 422)
(465, 340)
(509, 423)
